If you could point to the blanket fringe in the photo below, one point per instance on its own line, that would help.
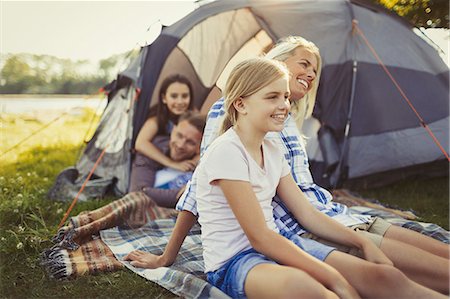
(65, 239)
(54, 261)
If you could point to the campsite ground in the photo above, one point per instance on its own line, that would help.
(28, 220)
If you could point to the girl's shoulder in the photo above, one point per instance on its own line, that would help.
(151, 122)
(273, 147)
(151, 119)
(227, 144)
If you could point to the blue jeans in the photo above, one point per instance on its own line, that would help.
(230, 278)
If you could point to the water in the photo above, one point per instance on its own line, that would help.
(34, 104)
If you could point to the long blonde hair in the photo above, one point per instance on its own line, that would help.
(285, 48)
(247, 78)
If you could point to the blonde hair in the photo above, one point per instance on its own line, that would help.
(247, 78)
(285, 48)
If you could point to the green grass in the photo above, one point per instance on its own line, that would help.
(28, 220)
(428, 199)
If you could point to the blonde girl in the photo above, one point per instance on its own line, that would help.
(237, 179)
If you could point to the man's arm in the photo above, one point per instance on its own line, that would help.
(322, 225)
(143, 171)
(142, 259)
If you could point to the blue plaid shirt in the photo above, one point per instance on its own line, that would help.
(295, 153)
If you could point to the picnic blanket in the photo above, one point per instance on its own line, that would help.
(185, 277)
(78, 249)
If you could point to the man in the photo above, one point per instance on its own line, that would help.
(164, 185)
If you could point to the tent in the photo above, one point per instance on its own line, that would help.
(364, 130)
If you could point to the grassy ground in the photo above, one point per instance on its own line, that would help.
(428, 199)
(28, 220)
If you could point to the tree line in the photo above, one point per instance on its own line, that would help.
(45, 74)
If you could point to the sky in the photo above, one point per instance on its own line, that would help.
(90, 30)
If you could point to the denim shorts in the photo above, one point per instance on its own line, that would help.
(230, 278)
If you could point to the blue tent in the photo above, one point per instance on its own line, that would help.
(363, 132)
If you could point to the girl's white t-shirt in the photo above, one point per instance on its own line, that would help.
(227, 158)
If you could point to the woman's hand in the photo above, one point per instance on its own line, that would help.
(374, 254)
(141, 259)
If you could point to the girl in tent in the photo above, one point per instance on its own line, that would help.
(421, 258)
(175, 98)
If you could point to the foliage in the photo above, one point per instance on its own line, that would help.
(421, 13)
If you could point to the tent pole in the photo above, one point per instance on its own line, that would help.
(340, 173)
(336, 179)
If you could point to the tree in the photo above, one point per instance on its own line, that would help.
(16, 74)
(421, 13)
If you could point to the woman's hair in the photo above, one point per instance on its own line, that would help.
(160, 110)
(247, 78)
(285, 48)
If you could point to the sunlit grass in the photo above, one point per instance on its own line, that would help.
(38, 133)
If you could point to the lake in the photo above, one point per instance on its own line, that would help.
(26, 104)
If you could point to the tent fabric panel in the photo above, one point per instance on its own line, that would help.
(113, 136)
(178, 63)
(114, 127)
(389, 110)
(382, 29)
(375, 92)
(326, 23)
(377, 153)
(154, 61)
(211, 43)
(252, 48)
(333, 95)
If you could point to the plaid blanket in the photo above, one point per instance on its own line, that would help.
(185, 277)
(79, 250)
